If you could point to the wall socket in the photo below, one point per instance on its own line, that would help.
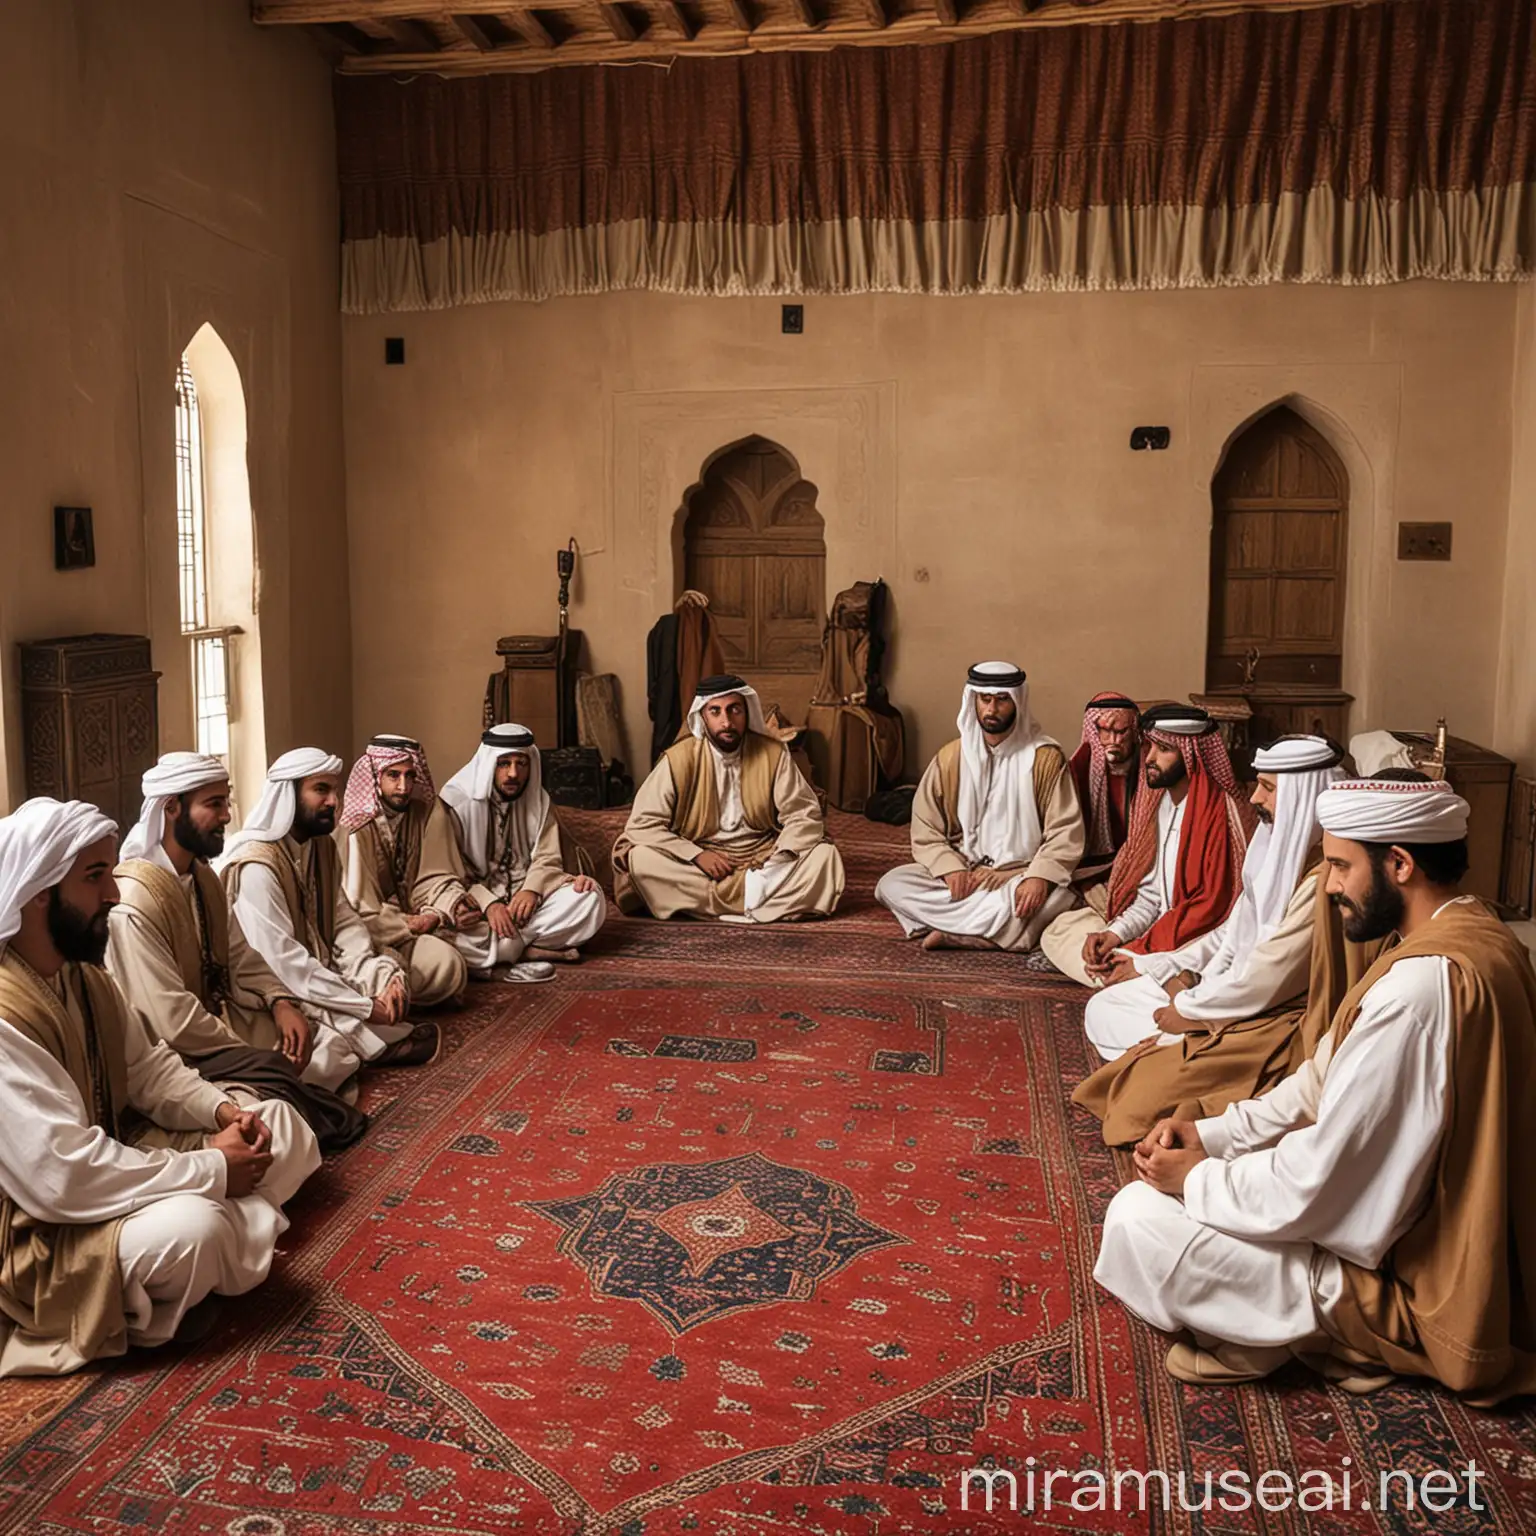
(1423, 541)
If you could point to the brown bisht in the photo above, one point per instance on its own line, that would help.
(1455, 1299)
(1208, 1069)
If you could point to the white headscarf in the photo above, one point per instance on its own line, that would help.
(711, 688)
(999, 820)
(39, 843)
(176, 774)
(1394, 811)
(1303, 767)
(272, 820)
(470, 791)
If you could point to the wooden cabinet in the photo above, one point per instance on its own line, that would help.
(91, 720)
(1482, 778)
(536, 687)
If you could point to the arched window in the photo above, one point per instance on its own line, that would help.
(210, 642)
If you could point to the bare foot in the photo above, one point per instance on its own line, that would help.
(553, 956)
(937, 940)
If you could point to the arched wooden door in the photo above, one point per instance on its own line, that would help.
(753, 544)
(1279, 539)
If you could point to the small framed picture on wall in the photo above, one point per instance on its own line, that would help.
(74, 539)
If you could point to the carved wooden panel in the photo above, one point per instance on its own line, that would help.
(91, 719)
(754, 544)
(1280, 508)
(1277, 552)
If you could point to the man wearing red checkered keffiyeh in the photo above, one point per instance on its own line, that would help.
(1180, 869)
(1106, 770)
(403, 872)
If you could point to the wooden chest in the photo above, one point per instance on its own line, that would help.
(91, 720)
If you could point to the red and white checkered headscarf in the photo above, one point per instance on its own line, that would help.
(1089, 760)
(362, 799)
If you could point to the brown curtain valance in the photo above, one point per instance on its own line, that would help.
(1357, 144)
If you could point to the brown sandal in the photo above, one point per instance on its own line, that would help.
(420, 1048)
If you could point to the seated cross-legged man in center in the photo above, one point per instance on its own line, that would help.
(282, 871)
(178, 953)
(997, 830)
(130, 1188)
(529, 905)
(402, 867)
(1217, 1020)
(1374, 1213)
(1178, 873)
(726, 825)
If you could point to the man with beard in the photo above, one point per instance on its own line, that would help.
(130, 1188)
(726, 825)
(1105, 770)
(282, 872)
(1218, 1019)
(997, 831)
(1177, 875)
(529, 905)
(183, 962)
(1374, 1214)
(402, 868)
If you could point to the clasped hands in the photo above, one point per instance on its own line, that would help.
(1165, 1155)
(392, 1004)
(246, 1144)
(1101, 961)
(1028, 898)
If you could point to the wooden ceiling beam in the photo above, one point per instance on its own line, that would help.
(282, 13)
(672, 13)
(948, 12)
(618, 23)
(471, 30)
(874, 14)
(413, 36)
(805, 13)
(741, 17)
(528, 27)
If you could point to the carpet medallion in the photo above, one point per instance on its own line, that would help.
(723, 1231)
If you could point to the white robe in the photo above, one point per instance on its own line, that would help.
(1123, 1015)
(336, 1002)
(1154, 896)
(1333, 1164)
(183, 1236)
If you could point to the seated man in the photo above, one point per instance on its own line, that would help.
(183, 963)
(282, 871)
(402, 868)
(1106, 769)
(726, 825)
(109, 1237)
(1177, 875)
(528, 906)
(1373, 1214)
(996, 828)
(1215, 1021)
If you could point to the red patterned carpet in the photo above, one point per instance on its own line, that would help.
(728, 1231)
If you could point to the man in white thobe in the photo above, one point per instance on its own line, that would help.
(527, 910)
(1259, 957)
(179, 955)
(282, 871)
(997, 829)
(108, 1237)
(1259, 1230)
